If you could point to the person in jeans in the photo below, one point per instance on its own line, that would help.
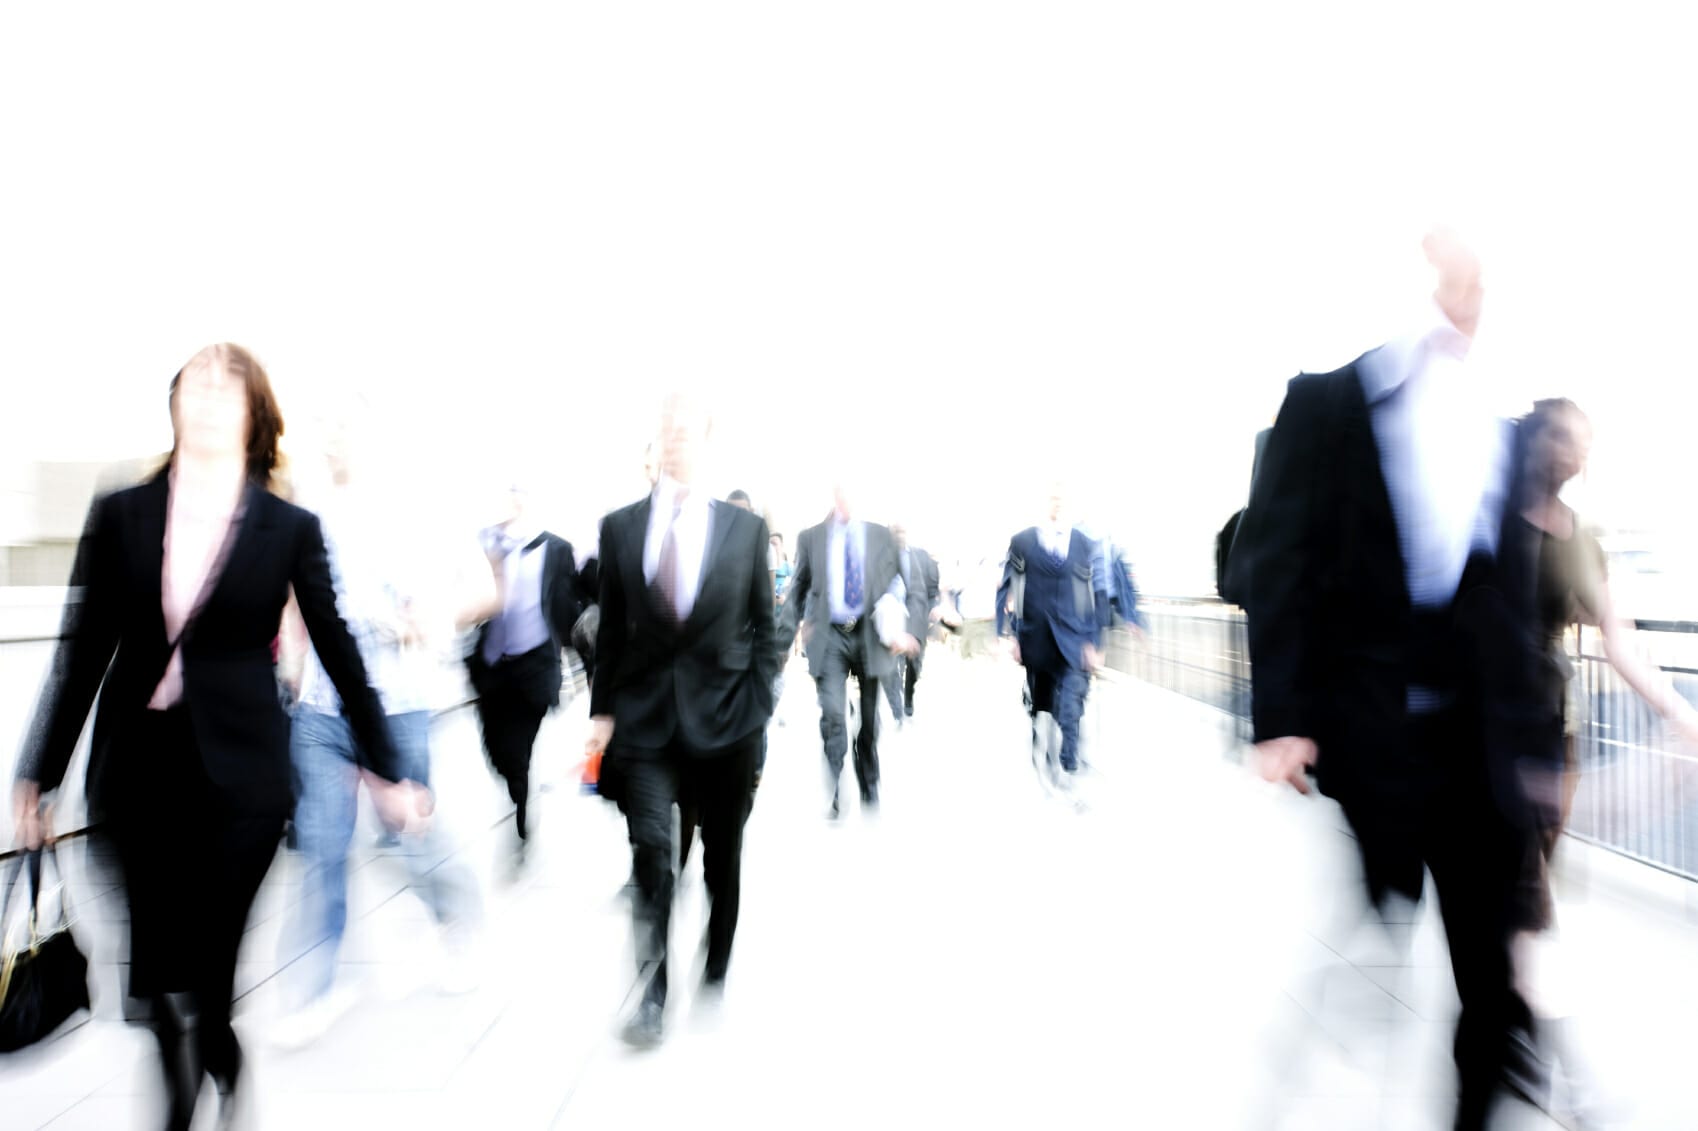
(392, 604)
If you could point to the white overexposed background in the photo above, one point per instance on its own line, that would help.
(980, 244)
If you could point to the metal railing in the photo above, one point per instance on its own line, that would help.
(1637, 793)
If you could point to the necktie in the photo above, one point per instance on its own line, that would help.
(852, 595)
(666, 573)
(495, 639)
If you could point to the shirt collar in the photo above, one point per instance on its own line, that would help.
(1385, 370)
(667, 490)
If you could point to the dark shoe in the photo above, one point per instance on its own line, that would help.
(910, 710)
(646, 1028)
(232, 1101)
(869, 800)
(836, 810)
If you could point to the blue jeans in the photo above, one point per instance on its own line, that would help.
(324, 752)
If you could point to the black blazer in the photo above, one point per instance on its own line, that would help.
(562, 602)
(229, 678)
(809, 596)
(707, 682)
(1335, 642)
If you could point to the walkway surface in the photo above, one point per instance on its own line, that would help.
(1184, 950)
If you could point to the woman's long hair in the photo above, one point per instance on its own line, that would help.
(265, 464)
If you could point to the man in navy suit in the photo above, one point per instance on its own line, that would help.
(1054, 598)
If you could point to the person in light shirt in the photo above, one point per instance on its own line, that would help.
(399, 595)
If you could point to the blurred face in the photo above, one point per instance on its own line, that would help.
(1056, 505)
(1563, 446)
(1459, 292)
(209, 411)
(683, 435)
(842, 499)
(338, 454)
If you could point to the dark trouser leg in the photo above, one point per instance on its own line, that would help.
(910, 676)
(893, 688)
(242, 854)
(760, 768)
(510, 725)
(1475, 856)
(722, 782)
(651, 790)
(831, 684)
(1070, 686)
(866, 738)
(689, 819)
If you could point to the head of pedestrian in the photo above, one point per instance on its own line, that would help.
(686, 427)
(222, 407)
(1559, 441)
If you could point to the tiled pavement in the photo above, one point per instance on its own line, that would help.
(1185, 952)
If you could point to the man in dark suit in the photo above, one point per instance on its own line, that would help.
(1055, 599)
(1389, 636)
(685, 664)
(919, 575)
(848, 590)
(515, 668)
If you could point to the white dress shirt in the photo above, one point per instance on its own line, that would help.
(523, 626)
(694, 523)
(1443, 452)
(1058, 540)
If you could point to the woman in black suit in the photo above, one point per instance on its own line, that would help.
(179, 588)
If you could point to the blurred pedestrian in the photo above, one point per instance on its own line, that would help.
(178, 589)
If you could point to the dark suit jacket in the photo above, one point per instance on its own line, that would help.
(229, 681)
(810, 594)
(1063, 608)
(707, 683)
(561, 603)
(1335, 642)
(922, 584)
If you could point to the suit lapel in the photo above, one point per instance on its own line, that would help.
(243, 550)
(720, 521)
(150, 553)
(635, 539)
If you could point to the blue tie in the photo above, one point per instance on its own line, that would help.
(852, 595)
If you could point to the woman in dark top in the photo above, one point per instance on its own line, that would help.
(1572, 588)
(178, 589)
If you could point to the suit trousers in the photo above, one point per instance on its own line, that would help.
(718, 784)
(843, 656)
(899, 685)
(1061, 692)
(510, 713)
(1457, 830)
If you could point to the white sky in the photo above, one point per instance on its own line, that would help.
(978, 241)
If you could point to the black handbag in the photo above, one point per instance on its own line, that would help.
(44, 981)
